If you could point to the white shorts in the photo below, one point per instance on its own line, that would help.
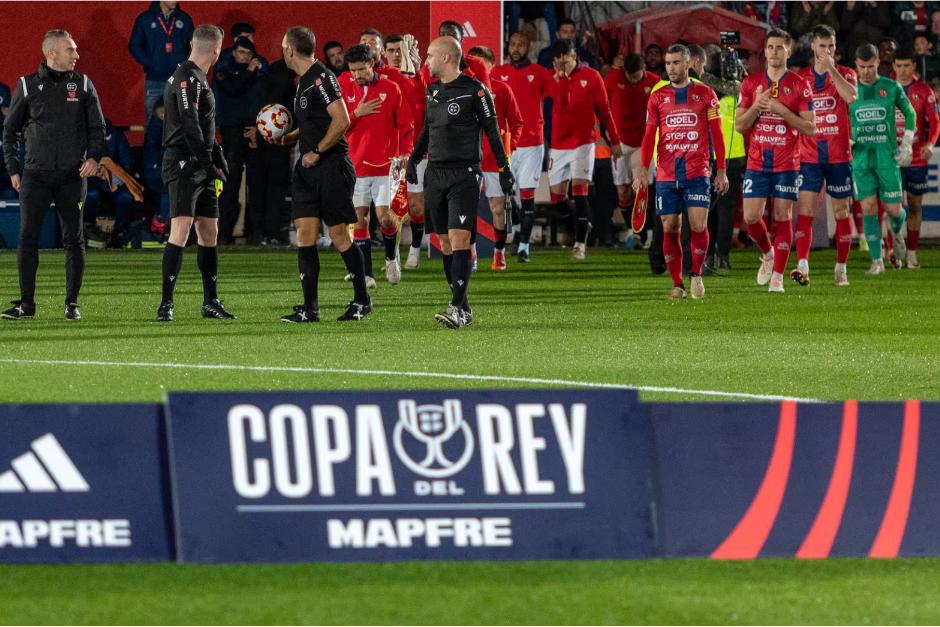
(625, 166)
(570, 164)
(492, 186)
(526, 166)
(371, 189)
(417, 188)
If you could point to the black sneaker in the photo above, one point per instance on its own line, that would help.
(72, 312)
(19, 310)
(302, 314)
(165, 312)
(453, 317)
(724, 263)
(356, 311)
(799, 277)
(467, 317)
(215, 310)
(708, 266)
(523, 256)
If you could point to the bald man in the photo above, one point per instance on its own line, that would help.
(459, 110)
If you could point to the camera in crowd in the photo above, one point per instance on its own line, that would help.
(730, 63)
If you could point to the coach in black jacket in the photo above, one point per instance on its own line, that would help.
(58, 112)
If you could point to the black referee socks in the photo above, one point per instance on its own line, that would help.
(365, 245)
(172, 262)
(352, 257)
(207, 258)
(460, 272)
(308, 262)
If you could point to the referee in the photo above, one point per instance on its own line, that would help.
(458, 109)
(324, 177)
(57, 111)
(193, 165)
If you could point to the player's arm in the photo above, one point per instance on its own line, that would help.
(602, 107)
(933, 126)
(649, 142)
(404, 126)
(516, 123)
(200, 146)
(847, 89)
(339, 122)
(485, 111)
(420, 149)
(750, 108)
(905, 152)
(94, 124)
(804, 122)
(718, 142)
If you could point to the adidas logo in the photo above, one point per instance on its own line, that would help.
(45, 468)
(468, 29)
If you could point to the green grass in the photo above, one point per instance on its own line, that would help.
(652, 592)
(603, 320)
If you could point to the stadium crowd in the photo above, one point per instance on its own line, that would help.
(566, 109)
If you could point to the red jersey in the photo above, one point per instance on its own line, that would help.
(412, 90)
(509, 120)
(389, 132)
(830, 144)
(473, 67)
(774, 144)
(928, 122)
(682, 117)
(530, 84)
(575, 101)
(628, 103)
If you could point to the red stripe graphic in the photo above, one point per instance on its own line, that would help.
(822, 534)
(888, 541)
(748, 537)
(485, 229)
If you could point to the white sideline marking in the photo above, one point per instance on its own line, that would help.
(429, 375)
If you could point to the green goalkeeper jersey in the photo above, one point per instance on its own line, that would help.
(872, 119)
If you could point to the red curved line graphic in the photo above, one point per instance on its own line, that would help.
(888, 541)
(822, 534)
(748, 537)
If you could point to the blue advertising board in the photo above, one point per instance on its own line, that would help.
(83, 483)
(374, 476)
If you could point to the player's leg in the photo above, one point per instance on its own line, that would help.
(497, 203)
(839, 188)
(462, 195)
(669, 200)
(915, 204)
(69, 197)
(416, 216)
(623, 179)
(697, 201)
(207, 253)
(810, 183)
(182, 199)
(756, 191)
(783, 240)
(388, 225)
(559, 179)
(890, 194)
(527, 169)
(435, 212)
(582, 174)
(362, 200)
(35, 198)
(308, 264)
(872, 230)
(336, 186)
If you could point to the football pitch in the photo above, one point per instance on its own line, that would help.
(552, 323)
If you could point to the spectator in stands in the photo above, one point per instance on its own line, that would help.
(653, 56)
(886, 49)
(334, 57)
(774, 12)
(696, 62)
(912, 19)
(239, 30)
(153, 165)
(807, 15)
(926, 62)
(159, 42)
(6, 189)
(567, 29)
(861, 23)
(99, 194)
(238, 85)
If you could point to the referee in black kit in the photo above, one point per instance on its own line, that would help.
(58, 112)
(193, 168)
(324, 177)
(458, 108)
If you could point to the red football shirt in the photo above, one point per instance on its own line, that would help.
(509, 120)
(682, 116)
(830, 144)
(928, 122)
(575, 101)
(628, 103)
(530, 84)
(773, 144)
(374, 139)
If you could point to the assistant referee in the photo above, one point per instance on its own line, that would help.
(58, 112)
(459, 110)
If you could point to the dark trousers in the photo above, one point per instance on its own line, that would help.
(239, 156)
(268, 185)
(721, 216)
(654, 222)
(37, 191)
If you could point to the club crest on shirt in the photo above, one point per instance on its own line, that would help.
(351, 98)
(696, 97)
(583, 83)
(303, 102)
(620, 86)
(531, 77)
(503, 77)
(646, 90)
(786, 90)
(382, 97)
(882, 92)
(453, 108)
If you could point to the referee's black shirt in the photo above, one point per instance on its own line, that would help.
(189, 127)
(317, 90)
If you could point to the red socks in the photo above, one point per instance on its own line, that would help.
(758, 233)
(782, 240)
(803, 236)
(913, 237)
(672, 251)
(843, 239)
(699, 250)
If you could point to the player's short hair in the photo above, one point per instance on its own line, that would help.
(633, 63)
(679, 49)
(482, 52)
(904, 54)
(303, 41)
(823, 31)
(393, 39)
(360, 53)
(567, 22)
(330, 45)
(206, 37)
(653, 47)
(242, 28)
(51, 37)
(777, 33)
(866, 52)
(562, 47)
(697, 52)
(457, 26)
(888, 40)
(372, 31)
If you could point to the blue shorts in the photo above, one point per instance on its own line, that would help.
(914, 180)
(770, 184)
(838, 177)
(673, 197)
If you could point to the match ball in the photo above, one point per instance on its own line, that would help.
(273, 121)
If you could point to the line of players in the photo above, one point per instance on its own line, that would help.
(859, 133)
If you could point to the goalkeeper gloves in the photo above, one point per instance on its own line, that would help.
(905, 152)
(411, 172)
(506, 181)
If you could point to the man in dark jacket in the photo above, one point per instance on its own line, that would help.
(58, 112)
(99, 191)
(160, 42)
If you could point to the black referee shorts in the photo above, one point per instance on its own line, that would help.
(191, 193)
(451, 198)
(325, 191)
